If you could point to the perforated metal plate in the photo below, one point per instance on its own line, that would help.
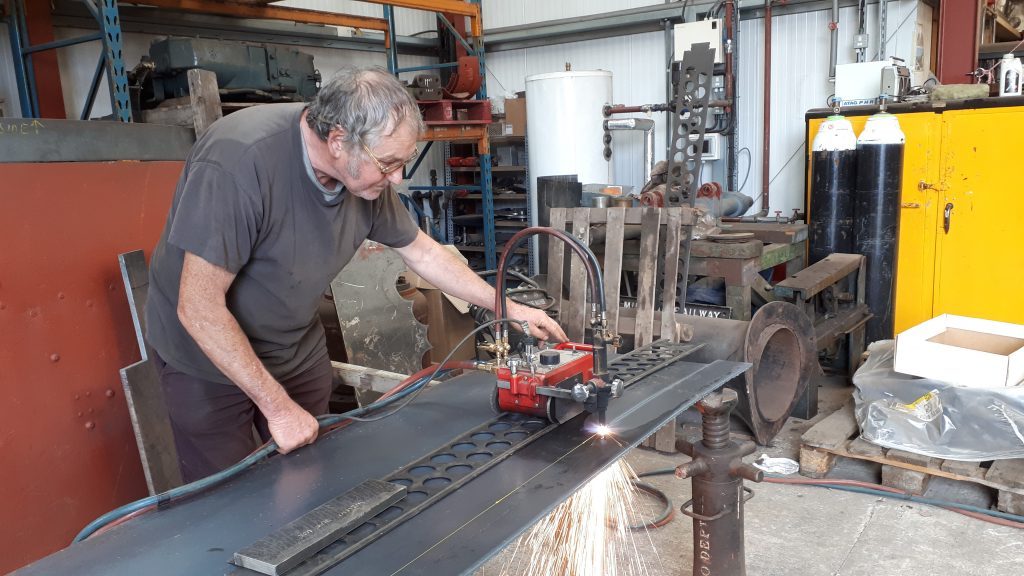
(692, 89)
(635, 365)
(431, 478)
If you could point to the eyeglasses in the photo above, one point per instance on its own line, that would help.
(385, 170)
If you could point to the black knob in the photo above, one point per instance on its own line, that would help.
(550, 358)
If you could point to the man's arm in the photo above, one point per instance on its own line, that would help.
(203, 311)
(441, 268)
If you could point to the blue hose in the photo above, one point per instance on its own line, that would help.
(214, 479)
(921, 500)
(872, 492)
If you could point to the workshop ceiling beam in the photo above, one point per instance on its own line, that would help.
(159, 22)
(447, 6)
(632, 21)
(272, 13)
(456, 7)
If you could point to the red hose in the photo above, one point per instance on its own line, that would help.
(451, 365)
(499, 279)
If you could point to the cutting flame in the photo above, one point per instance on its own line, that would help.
(603, 431)
(589, 534)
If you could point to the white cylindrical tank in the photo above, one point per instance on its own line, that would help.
(564, 126)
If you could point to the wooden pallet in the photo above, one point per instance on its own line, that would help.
(838, 436)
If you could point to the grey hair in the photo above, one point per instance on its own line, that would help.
(367, 103)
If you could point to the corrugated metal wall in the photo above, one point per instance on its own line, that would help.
(800, 52)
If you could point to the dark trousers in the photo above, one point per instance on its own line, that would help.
(213, 422)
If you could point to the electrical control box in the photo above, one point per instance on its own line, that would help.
(863, 82)
(711, 149)
(859, 83)
(689, 33)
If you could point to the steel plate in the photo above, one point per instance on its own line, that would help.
(454, 536)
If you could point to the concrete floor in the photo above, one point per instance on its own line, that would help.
(809, 531)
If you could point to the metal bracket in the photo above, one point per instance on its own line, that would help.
(695, 516)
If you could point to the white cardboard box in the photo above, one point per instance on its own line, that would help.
(963, 351)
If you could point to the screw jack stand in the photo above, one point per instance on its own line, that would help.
(716, 474)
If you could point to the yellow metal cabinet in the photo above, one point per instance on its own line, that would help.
(963, 157)
(979, 268)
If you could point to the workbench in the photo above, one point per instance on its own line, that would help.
(740, 263)
(456, 535)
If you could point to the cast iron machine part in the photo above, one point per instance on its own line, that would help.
(554, 383)
(246, 72)
(716, 474)
(780, 342)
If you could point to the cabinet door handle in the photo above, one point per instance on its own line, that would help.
(946, 214)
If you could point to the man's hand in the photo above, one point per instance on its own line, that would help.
(542, 326)
(292, 428)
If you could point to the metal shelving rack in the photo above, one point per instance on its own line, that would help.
(467, 133)
(110, 61)
(106, 14)
(510, 200)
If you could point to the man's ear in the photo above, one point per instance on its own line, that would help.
(336, 142)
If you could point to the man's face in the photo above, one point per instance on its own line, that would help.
(362, 176)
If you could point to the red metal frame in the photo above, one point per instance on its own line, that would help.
(958, 40)
(44, 63)
(67, 444)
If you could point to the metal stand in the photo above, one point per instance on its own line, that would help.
(717, 473)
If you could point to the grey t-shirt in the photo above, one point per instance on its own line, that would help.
(246, 203)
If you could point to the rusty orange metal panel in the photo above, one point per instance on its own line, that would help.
(66, 442)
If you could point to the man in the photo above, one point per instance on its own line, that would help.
(273, 202)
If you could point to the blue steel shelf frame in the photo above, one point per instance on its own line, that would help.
(475, 46)
(110, 61)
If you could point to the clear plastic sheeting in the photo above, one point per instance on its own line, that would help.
(934, 418)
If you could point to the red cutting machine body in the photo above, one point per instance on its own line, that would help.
(537, 387)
